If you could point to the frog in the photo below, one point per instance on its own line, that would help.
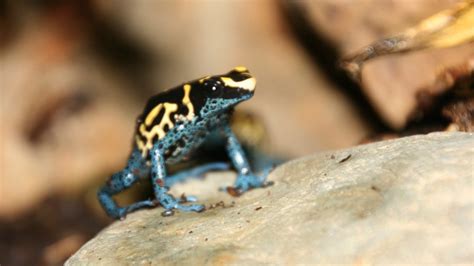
(172, 126)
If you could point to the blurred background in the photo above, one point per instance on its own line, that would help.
(74, 75)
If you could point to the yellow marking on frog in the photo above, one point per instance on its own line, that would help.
(157, 130)
(152, 114)
(187, 101)
(247, 84)
(241, 69)
(203, 79)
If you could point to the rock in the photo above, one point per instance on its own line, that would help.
(357, 24)
(402, 201)
(393, 83)
(392, 77)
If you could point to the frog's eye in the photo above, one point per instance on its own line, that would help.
(215, 89)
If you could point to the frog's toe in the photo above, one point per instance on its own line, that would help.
(268, 184)
(187, 198)
(191, 208)
(170, 204)
(185, 208)
(120, 213)
(245, 183)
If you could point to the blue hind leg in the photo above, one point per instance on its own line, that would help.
(246, 180)
(120, 181)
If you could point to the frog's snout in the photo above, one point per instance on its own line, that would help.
(248, 84)
(240, 78)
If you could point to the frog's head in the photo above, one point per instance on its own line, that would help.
(221, 92)
(238, 84)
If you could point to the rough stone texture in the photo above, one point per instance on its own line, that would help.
(403, 201)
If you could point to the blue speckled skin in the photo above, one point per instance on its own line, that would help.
(213, 108)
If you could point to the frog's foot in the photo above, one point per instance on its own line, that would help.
(249, 181)
(170, 204)
(121, 213)
(187, 198)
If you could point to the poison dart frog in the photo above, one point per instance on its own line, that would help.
(175, 123)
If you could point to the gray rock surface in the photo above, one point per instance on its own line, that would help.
(408, 200)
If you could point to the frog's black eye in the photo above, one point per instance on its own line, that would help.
(215, 89)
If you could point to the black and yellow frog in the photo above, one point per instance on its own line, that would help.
(175, 123)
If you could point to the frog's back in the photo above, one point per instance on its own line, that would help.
(163, 112)
(193, 107)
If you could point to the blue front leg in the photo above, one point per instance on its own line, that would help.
(245, 178)
(120, 181)
(158, 174)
